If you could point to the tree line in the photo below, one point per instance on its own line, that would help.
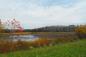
(70, 28)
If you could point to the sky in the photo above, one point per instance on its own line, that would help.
(40, 13)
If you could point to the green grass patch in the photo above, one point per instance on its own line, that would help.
(74, 49)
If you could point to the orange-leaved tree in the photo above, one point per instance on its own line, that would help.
(81, 31)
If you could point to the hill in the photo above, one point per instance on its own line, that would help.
(60, 28)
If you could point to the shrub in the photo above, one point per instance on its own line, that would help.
(81, 31)
(22, 45)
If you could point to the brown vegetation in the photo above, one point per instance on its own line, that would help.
(81, 31)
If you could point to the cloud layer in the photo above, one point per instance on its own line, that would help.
(38, 13)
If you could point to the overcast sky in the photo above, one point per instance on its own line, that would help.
(38, 13)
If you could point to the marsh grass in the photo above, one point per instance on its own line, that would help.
(74, 49)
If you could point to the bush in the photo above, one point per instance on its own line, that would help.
(22, 45)
(40, 42)
(81, 31)
(9, 46)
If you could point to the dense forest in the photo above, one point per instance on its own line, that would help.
(57, 28)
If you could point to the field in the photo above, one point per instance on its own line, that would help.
(73, 49)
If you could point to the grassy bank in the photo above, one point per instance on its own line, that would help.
(74, 49)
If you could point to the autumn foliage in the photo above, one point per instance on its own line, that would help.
(81, 31)
(7, 45)
(10, 46)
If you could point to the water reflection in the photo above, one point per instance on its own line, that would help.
(24, 37)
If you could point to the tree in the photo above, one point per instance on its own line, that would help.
(81, 31)
(13, 26)
(1, 26)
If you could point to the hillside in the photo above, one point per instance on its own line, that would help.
(74, 49)
(60, 28)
